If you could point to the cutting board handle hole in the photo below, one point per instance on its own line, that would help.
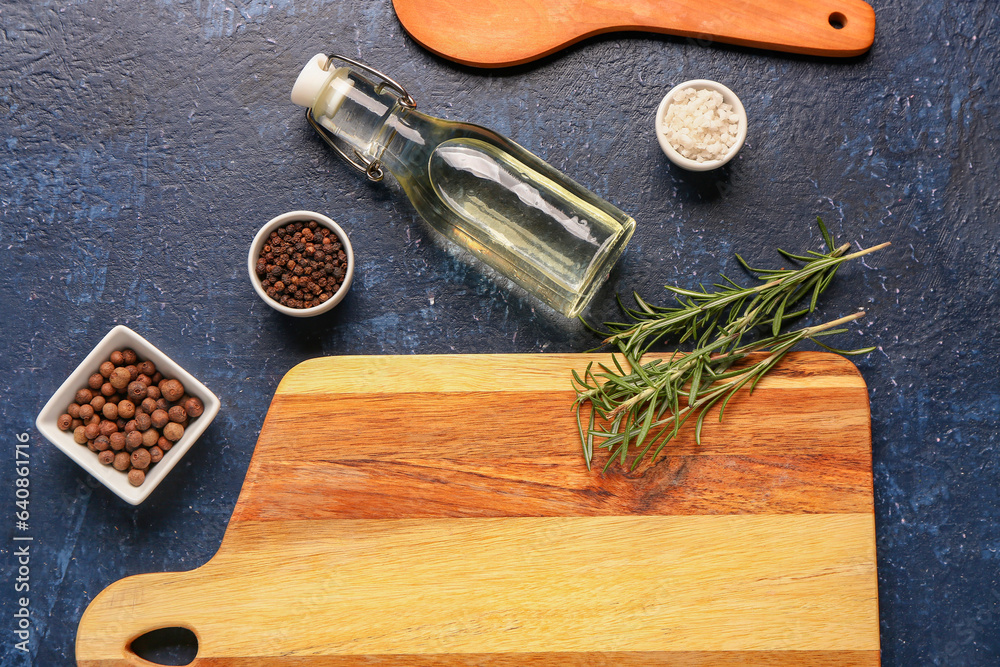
(167, 646)
(838, 20)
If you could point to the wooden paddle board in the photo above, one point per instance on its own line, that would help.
(499, 33)
(436, 510)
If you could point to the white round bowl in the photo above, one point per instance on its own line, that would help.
(729, 97)
(300, 216)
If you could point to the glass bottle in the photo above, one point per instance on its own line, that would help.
(508, 207)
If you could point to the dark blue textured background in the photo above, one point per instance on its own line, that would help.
(143, 143)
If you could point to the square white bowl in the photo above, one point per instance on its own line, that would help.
(120, 338)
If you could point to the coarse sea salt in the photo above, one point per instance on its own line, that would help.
(700, 125)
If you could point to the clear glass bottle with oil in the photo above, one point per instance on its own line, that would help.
(508, 207)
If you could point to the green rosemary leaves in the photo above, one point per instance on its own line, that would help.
(638, 406)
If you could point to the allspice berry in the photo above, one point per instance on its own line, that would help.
(107, 390)
(172, 390)
(121, 461)
(126, 409)
(159, 418)
(142, 421)
(98, 402)
(116, 360)
(133, 440)
(95, 381)
(129, 356)
(86, 411)
(140, 459)
(137, 391)
(73, 410)
(107, 427)
(164, 444)
(117, 441)
(173, 431)
(83, 396)
(80, 435)
(148, 405)
(101, 443)
(150, 437)
(155, 454)
(120, 378)
(136, 477)
(107, 457)
(110, 411)
(64, 422)
(178, 414)
(91, 431)
(194, 407)
(109, 366)
(147, 367)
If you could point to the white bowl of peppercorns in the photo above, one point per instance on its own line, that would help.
(301, 263)
(127, 414)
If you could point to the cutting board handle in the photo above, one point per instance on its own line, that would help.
(127, 610)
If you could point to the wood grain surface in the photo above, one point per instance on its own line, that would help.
(435, 510)
(495, 33)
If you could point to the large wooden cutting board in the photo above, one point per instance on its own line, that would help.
(435, 510)
(499, 33)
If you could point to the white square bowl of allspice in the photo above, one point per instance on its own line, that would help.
(127, 414)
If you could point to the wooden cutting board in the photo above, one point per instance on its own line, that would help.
(498, 33)
(435, 510)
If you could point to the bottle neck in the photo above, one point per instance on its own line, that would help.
(362, 115)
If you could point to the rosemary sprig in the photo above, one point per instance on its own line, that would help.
(643, 404)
